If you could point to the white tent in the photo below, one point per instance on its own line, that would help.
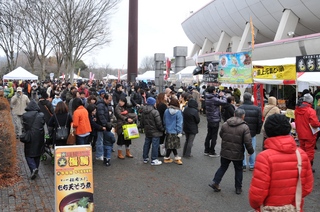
(149, 75)
(313, 78)
(75, 76)
(20, 74)
(110, 76)
(275, 62)
(186, 71)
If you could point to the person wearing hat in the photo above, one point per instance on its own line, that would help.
(19, 103)
(153, 129)
(275, 176)
(305, 118)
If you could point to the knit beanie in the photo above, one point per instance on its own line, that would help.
(277, 125)
(308, 98)
(151, 101)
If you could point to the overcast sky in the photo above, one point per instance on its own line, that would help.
(159, 31)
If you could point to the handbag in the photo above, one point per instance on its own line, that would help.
(298, 196)
(61, 132)
(162, 149)
(71, 137)
(130, 131)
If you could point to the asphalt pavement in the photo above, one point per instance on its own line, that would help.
(131, 185)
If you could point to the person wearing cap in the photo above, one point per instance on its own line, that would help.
(275, 176)
(305, 118)
(235, 138)
(153, 129)
(213, 102)
(19, 103)
(254, 120)
(101, 94)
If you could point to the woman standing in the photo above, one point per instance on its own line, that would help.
(191, 120)
(60, 118)
(173, 121)
(33, 122)
(81, 122)
(161, 105)
(123, 117)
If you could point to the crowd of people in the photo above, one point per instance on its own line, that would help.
(96, 112)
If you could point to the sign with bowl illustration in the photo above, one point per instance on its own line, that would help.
(235, 68)
(73, 178)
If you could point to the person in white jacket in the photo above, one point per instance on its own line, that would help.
(19, 103)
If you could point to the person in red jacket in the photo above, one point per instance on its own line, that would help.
(305, 116)
(275, 176)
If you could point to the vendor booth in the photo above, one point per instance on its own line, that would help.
(20, 74)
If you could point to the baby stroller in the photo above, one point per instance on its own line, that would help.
(48, 149)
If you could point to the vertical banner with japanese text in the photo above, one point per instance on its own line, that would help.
(258, 95)
(73, 178)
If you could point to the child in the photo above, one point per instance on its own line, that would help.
(108, 141)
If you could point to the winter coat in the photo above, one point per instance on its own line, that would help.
(108, 138)
(162, 108)
(275, 174)
(33, 120)
(270, 109)
(213, 103)
(196, 96)
(19, 104)
(253, 117)
(151, 122)
(173, 120)
(94, 125)
(228, 111)
(305, 115)
(11, 90)
(121, 118)
(62, 119)
(191, 118)
(116, 96)
(103, 117)
(46, 108)
(136, 98)
(81, 121)
(235, 136)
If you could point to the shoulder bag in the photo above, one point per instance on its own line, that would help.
(61, 132)
(290, 207)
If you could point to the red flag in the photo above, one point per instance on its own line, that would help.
(168, 67)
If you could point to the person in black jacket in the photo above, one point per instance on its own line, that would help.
(60, 118)
(136, 98)
(254, 120)
(33, 122)
(191, 120)
(228, 109)
(117, 94)
(153, 128)
(47, 109)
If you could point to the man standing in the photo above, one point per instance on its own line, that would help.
(19, 103)
(213, 102)
(305, 118)
(117, 94)
(235, 136)
(254, 121)
(103, 119)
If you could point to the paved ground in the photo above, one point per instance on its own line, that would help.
(130, 185)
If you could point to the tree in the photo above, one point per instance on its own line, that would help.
(9, 35)
(146, 64)
(80, 26)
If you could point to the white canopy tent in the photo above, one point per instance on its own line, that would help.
(312, 78)
(110, 76)
(275, 62)
(20, 74)
(186, 71)
(149, 75)
(75, 76)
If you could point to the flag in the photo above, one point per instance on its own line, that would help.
(252, 33)
(168, 67)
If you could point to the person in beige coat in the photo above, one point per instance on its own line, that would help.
(270, 109)
(19, 103)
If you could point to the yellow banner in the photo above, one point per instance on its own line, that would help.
(285, 72)
(73, 178)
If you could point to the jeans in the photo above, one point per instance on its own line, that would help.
(107, 151)
(99, 144)
(212, 134)
(188, 145)
(33, 162)
(224, 167)
(82, 140)
(155, 146)
(252, 158)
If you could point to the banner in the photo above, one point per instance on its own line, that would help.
(73, 178)
(235, 68)
(258, 96)
(308, 63)
(285, 72)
